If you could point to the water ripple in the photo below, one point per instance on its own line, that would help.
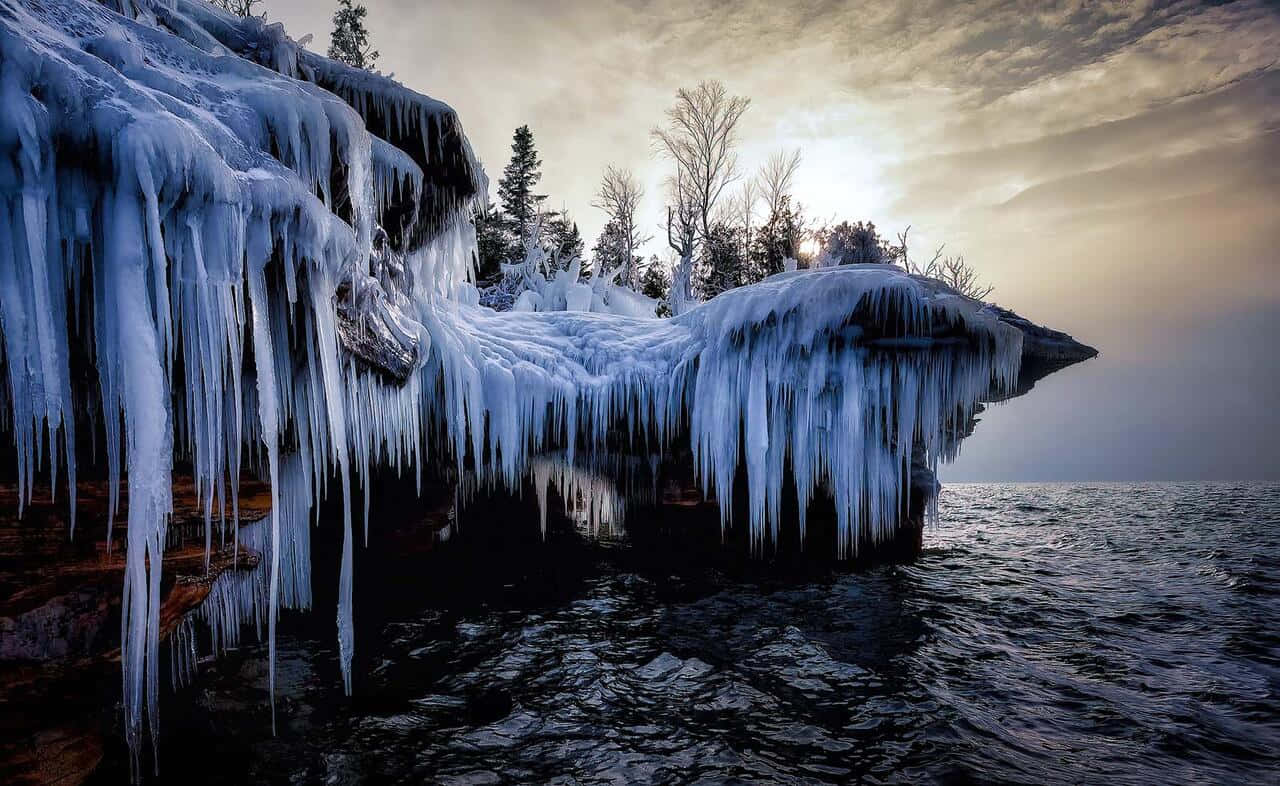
(1050, 634)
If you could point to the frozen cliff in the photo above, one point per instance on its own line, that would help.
(219, 248)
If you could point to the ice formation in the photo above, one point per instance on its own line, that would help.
(542, 282)
(217, 246)
(588, 496)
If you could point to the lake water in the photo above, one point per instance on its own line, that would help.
(1050, 634)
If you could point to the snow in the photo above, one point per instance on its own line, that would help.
(542, 282)
(200, 204)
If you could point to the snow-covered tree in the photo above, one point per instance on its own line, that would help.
(611, 253)
(515, 187)
(349, 42)
(682, 230)
(619, 196)
(854, 244)
(560, 235)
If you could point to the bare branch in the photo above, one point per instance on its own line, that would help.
(957, 274)
(700, 138)
(777, 177)
(238, 7)
(619, 196)
(682, 219)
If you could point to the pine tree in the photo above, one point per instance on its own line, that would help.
(777, 240)
(515, 187)
(494, 243)
(561, 236)
(350, 40)
(655, 282)
(609, 250)
(724, 266)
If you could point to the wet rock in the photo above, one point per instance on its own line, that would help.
(60, 618)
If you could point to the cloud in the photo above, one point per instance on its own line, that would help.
(1246, 110)
(1201, 173)
(1107, 164)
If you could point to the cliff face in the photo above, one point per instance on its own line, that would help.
(60, 617)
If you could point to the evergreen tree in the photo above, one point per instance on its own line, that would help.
(655, 282)
(724, 265)
(494, 243)
(853, 244)
(518, 180)
(777, 240)
(610, 249)
(350, 40)
(561, 237)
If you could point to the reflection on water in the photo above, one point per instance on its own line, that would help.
(1118, 634)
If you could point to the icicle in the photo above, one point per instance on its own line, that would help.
(268, 419)
(145, 398)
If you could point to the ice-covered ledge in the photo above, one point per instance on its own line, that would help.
(1044, 351)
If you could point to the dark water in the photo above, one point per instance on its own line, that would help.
(1050, 634)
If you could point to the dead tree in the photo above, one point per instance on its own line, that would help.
(952, 271)
(619, 197)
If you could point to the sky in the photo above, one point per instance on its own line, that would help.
(1111, 167)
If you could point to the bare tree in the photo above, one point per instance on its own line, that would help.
(952, 271)
(700, 137)
(960, 276)
(745, 207)
(902, 244)
(777, 177)
(682, 228)
(238, 7)
(619, 196)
